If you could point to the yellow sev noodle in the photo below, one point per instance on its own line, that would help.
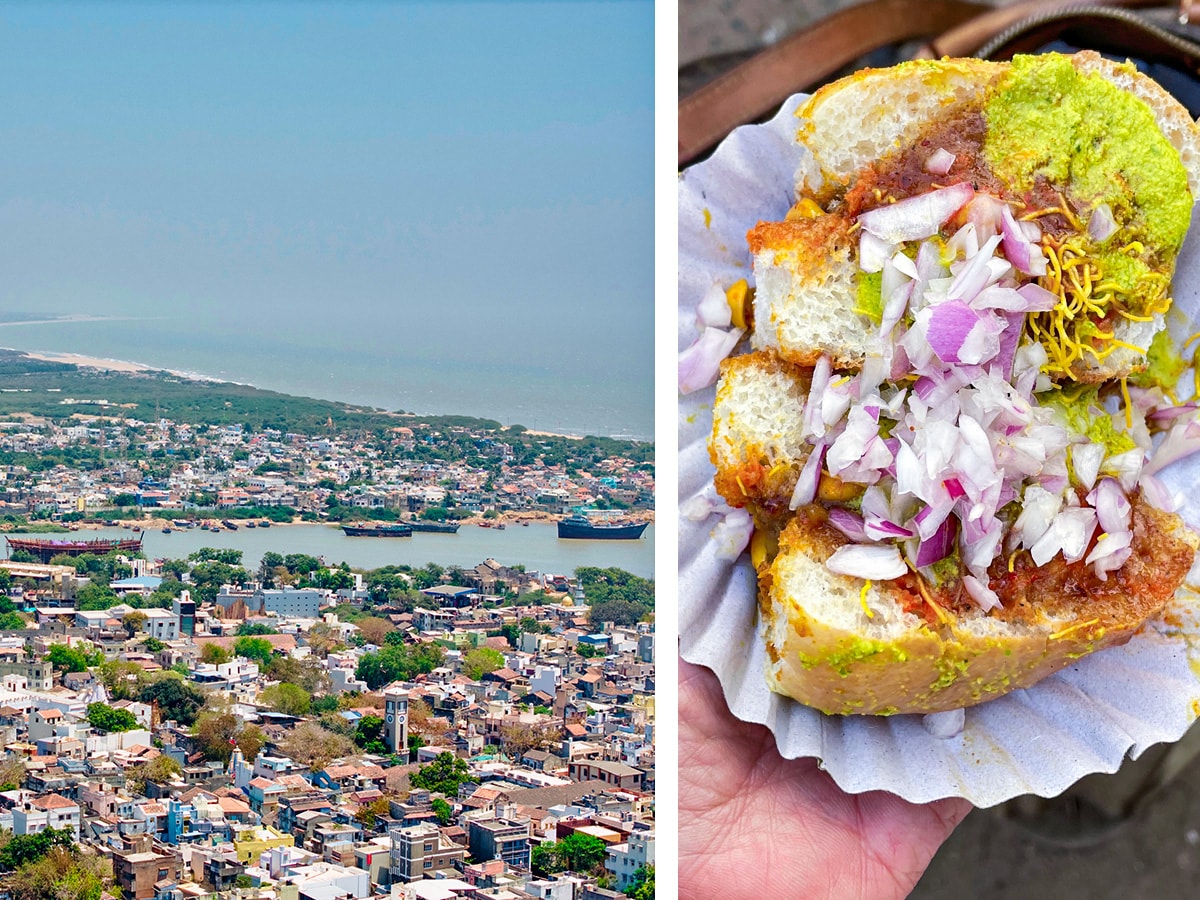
(1071, 332)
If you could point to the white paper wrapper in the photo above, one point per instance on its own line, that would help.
(1041, 740)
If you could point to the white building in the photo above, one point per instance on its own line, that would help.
(625, 859)
(49, 811)
(162, 624)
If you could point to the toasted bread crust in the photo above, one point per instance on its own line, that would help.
(825, 652)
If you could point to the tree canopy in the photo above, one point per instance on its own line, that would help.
(443, 775)
(104, 717)
(398, 662)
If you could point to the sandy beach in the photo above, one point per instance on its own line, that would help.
(89, 362)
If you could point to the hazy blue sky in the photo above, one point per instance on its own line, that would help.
(376, 197)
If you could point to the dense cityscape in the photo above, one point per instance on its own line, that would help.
(200, 726)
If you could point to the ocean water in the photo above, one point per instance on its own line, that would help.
(382, 362)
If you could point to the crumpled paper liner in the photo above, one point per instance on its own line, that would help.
(1082, 720)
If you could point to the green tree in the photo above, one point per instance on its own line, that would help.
(62, 874)
(95, 596)
(368, 734)
(309, 673)
(396, 663)
(443, 810)
(212, 554)
(27, 848)
(12, 621)
(286, 698)
(104, 717)
(177, 700)
(641, 886)
(252, 629)
(214, 653)
(255, 648)
(159, 770)
(480, 661)
(575, 853)
(72, 659)
(443, 775)
(133, 621)
(617, 611)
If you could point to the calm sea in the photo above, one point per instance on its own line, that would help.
(535, 546)
(391, 362)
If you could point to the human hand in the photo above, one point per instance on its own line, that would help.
(753, 824)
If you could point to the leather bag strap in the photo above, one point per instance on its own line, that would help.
(804, 59)
(808, 57)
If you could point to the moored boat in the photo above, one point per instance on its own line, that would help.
(377, 529)
(580, 527)
(436, 527)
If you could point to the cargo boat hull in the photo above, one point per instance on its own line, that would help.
(385, 530)
(436, 527)
(579, 528)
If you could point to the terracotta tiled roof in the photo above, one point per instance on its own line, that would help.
(54, 801)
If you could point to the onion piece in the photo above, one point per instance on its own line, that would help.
(810, 477)
(1101, 224)
(1069, 534)
(946, 724)
(959, 334)
(983, 595)
(700, 363)
(1086, 460)
(1021, 252)
(879, 562)
(919, 217)
(848, 523)
(1110, 553)
(873, 252)
(939, 161)
(713, 310)
(939, 546)
(732, 534)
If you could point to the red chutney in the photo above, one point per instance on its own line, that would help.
(903, 174)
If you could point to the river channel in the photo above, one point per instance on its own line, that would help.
(535, 546)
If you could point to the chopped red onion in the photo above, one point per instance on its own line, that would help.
(1101, 224)
(810, 477)
(1156, 494)
(1110, 553)
(981, 593)
(811, 422)
(946, 724)
(713, 310)
(1021, 252)
(1113, 510)
(732, 534)
(878, 562)
(1086, 459)
(848, 523)
(873, 252)
(939, 161)
(700, 363)
(984, 213)
(919, 217)
(1069, 533)
(959, 334)
(975, 275)
(939, 546)
(1182, 440)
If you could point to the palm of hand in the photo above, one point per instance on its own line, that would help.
(753, 824)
